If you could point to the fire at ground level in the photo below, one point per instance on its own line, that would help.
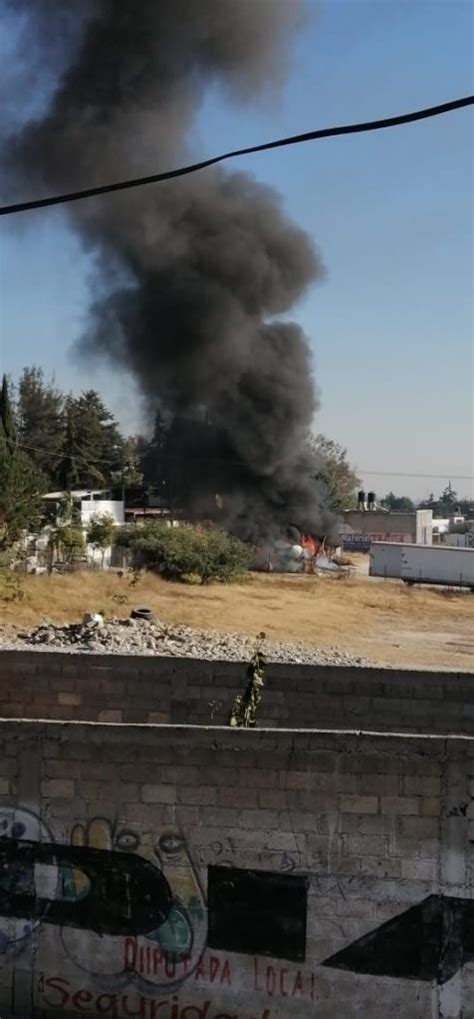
(296, 552)
(290, 550)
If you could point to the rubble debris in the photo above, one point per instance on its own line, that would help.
(94, 619)
(140, 636)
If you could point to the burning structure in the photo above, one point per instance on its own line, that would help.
(193, 273)
(296, 552)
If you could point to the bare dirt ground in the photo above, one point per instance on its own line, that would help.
(383, 621)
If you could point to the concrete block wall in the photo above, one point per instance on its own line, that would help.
(205, 873)
(115, 688)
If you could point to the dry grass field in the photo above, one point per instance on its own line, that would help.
(384, 620)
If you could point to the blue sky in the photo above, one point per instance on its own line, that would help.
(391, 326)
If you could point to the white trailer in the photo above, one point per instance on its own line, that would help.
(386, 559)
(423, 564)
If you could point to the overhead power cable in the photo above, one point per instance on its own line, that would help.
(326, 132)
(385, 474)
(65, 456)
(406, 474)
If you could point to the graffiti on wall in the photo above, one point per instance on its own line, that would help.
(122, 894)
(166, 949)
(249, 897)
(140, 902)
(17, 926)
(353, 542)
(430, 941)
(58, 995)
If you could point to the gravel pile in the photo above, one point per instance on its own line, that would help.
(141, 636)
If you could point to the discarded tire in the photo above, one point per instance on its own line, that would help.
(142, 613)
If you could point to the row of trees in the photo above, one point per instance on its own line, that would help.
(446, 504)
(23, 482)
(53, 440)
(74, 442)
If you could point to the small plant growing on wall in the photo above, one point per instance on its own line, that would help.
(245, 707)
(213, 707)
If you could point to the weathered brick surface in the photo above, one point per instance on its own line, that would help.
(375, 824)
(187, 691)
(359, 804)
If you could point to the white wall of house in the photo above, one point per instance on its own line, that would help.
(99, 507)
(94, 556)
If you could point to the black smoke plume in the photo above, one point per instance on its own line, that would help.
(194, 272)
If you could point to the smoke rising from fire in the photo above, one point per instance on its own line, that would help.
(193, 272)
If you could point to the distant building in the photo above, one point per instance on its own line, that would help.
(440, 529)
(457, 540)
(89, 503)
(361, 527)
(455, 531)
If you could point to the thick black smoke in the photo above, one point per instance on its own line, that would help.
(194, 271)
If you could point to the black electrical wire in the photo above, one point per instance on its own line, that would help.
(326, 132)
(227, 460)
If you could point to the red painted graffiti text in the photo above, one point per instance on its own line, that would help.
(151, 961)
(283, 982)
(57, 993)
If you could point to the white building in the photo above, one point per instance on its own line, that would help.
(90, 503)
(454, 531)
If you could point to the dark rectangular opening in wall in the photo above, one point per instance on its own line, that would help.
(257, 912)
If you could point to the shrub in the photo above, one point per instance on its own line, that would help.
(71, 540)
(101, 532)
(186, 551)
(223, 556)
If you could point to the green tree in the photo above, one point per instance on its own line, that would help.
(21, 483)
(335, 472)
(446, 505)
(68, 511)
(70, 540)
(101, 532)
(68, 471)
(448, 501)
(8, 432)
(132, 473)
(21, 488)
(153, 455)
(431, 503)
(129, 479)
(92, 449)
(182, 552)
(398, 503)
(40, 416)
(221, 556)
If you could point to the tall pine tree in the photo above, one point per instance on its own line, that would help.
(92, 447)
(153, 456)
(68, 468)
(40, 407)
(7, 420)
(21, 483)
